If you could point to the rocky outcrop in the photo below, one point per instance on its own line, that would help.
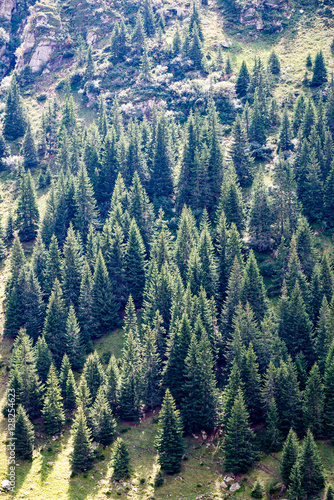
(41, 55)
(266, 14)
(6, 9)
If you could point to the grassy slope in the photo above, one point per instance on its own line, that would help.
(202, 473)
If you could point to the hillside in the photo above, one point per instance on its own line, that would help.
(166, 249)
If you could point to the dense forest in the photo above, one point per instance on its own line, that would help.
(200, 231)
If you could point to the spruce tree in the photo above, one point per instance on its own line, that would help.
(319, 70)
(242, 82)
(55, 324)
(284, 141)
(70, 395)
(27, 215)
(86, 210)
(104, 304)
(104, 424)
(4, 151)
(52, 269)
(93, 373)
(152, 370)
(311, 468)
(161, 182)
(289, 456)
(120, 461)
(329, 493)
(273, 436)
(53, 409)
(252, 384)
(239, 438)
(28, 149)
(296, 488)
(24, 435)
(135, 264)
(252, 289)
(261, 216)
(242, 160)
(85, 311)
(313, 405)
(14, 121)
(274, 65)
(112, 383)
(199, 407)
(168, 441)
(43, 358)
(257, 128)
(82, 456)
(329, 396)
(195, 51)
(74, 347)
(71, 268)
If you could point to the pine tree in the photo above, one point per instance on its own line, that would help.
(168, 441)
(274, 65)
(27, 215)
(313, 405)
(289, 456)
(239, 446)
(242, 160)
(53, 409)
(14, 121)
(104, 424)
(243, 80)
(135, 264)
(82, 456)
(319, 70)
(311, 468)
(24, 435)
(104, 304)
(120, 461)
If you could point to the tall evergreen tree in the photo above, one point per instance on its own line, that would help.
(289, 456)
(27, 215)
(14, 122)
(104, 424)
(168, 441)
(243, 80)
(82, 456)
(28, 149)
(24, 435)
(55, 324)
(313, 406)
(53, 409)
(240, 154)
(120, 460)
(135, 264)
(311, 468)
(319, 70)
(239, 439)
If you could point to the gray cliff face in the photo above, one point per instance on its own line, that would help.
(266, 14)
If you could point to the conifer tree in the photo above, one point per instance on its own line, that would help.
(231, 200)
(24, 435)
(82, 456)
(257, 129)
(313, 405)
(187, 178)
(253, 289)
(90, 66)
(152, 371)
(228, 66)
(85, 311)
(199, 407)
(71, 268)
(296, 488)
(104, 304)
(148, 18)
(27, 215)
(83, 399)
(177, 42)
(319, 70)
(298, 325)
(53, 409)
(239, 439)
(93, 373)
(298, 113)
(288, 397)
(52, 269)
(272, 423)
(239, 152)
(168, 441)
(120, 461)
(274, 65)
(86, 211)
(70, 392)
(311, 468)
(43, 358)
(14, 121)
(112, 383)
(28, 150)
(104, 424)
(64, 369)
(55, 324)
(161, 182)
(131, 383)
(74, 348)
(135, 264)
(329, 396)
(329, 493)
(289, 456)
(195, 51)
(261, 216)
(252, 384)
(284, 141)
(4, 151)
(242, 82)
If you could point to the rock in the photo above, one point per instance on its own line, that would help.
(229, 478)
(50, 464)
(6, 9)
(223, 485)
(6, 484)
(95, 445)
(91, 37)
(40, 57)
(234, 487)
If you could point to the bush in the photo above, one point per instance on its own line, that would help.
(159, 479)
